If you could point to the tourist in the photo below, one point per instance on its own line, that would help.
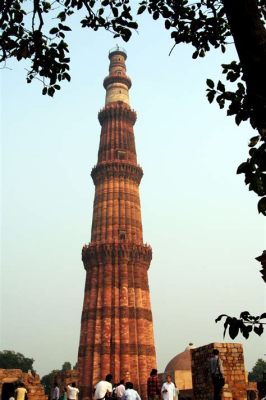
(120, 390)
(56, 392)
(21, 392)
(113, 395)
(72, 391)
(103, 388)
(130, 392)
(64, 394)
(169, 391)
(153, 386)
(217, 373)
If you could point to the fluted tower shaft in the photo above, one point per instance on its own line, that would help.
(116, 325)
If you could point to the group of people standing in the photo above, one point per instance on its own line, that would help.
(156, 391)
(69, 393)
(166, 391)
(122, 391)
(126, 391)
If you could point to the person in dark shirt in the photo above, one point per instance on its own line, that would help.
(217, 373)
(153, 386)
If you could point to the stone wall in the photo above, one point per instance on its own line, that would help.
(64, 378)
(231, 355)
(32, 383)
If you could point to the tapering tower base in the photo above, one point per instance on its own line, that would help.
(116, 324)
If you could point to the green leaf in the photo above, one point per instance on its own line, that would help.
(238, 119)
(243, 168)
(228, 95)
(126, 35)
(66, 76)
(244, 315)
(258, 329)
(64, 27)
(62, 16)
(220, 317)
(44, 91)
(115, 12)
(211, 95)
(141, 9)
(220, 86)
(262, 206)
(201, 53)
(156, 15)
(234, 328)
(53, 31)
(51, 91)
(167, 24)
(253, 141)
(210, 83)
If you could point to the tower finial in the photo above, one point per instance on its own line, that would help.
(117, 82)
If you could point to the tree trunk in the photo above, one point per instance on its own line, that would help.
(250, 41)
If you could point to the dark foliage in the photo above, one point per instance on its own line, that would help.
(66, 366)
(245, 324)
(258, 371)
(205, 24)
(12, 360)
(49, 379)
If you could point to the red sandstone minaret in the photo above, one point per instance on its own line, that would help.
(116, 325)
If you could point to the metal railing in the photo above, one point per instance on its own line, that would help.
(118, 48)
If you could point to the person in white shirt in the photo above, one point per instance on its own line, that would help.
(72, 391)
(131, 393)
(169, 391)
(120, 390)
(103, 388)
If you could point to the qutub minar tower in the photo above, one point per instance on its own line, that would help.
(116, 324)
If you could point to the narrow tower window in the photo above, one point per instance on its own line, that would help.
(121, 155)
(122, 235)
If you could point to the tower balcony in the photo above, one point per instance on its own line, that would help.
(116, 169)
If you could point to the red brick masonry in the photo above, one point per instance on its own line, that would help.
(116, 323)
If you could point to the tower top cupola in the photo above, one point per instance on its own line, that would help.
(117, 83)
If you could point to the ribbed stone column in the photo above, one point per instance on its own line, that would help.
(116, 325)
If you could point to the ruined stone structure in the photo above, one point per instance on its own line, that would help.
(231, 354)
(9, 378)
(64, 378)
(190, 370)
(116, 325)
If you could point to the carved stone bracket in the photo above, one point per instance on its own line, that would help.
(117, 110)
(117, 79)
(116, 170)
(99, 253)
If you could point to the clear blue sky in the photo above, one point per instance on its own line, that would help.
(197, 213)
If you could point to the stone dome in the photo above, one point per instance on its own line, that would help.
(181, 362)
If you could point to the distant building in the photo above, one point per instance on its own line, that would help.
(179, 368)
(191, 373)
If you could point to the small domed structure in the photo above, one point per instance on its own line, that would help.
(180, 370)
(181, 362)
